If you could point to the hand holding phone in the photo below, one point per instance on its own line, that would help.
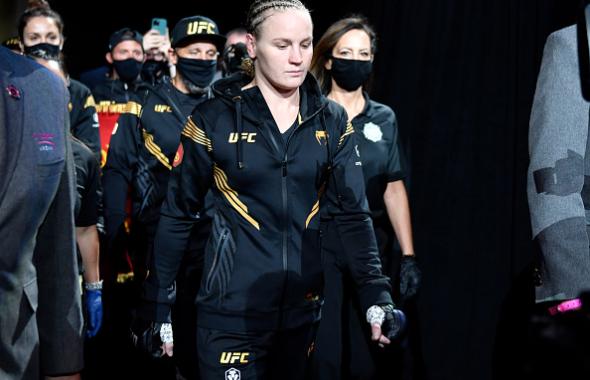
(157, 36)
(160, 24)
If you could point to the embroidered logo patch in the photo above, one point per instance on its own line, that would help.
(234, 357)
(373, 132)
(178, 156)
(233, 374)
(321, 135)
(45, 141)
(245, 136)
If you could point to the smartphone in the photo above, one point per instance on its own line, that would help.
(159, 24)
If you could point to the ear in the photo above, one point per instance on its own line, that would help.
(251, 45)
(109, 57)
(172, 56)
(328, 64)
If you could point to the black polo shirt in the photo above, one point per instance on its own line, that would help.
(380, 151)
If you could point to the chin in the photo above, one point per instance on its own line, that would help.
(289, 84)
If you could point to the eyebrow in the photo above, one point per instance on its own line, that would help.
(349, 48)
(290, 41)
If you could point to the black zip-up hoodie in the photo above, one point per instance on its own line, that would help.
(273, 196)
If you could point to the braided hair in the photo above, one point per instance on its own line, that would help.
(258, 11)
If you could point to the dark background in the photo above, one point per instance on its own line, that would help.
(460, 75)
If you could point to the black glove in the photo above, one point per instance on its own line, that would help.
(145, 336)
(410, 277)
(394, 324)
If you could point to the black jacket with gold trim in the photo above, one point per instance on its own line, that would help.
(141, 154)
(263, 261)
(83, 116)
(111, 98)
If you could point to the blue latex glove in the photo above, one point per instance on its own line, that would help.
(93, 311)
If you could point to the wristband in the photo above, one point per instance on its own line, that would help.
(93, 285)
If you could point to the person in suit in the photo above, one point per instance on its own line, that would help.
(41, 318)
(558, 192)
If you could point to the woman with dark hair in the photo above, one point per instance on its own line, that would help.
(40, 30)
(280, 161)
(342, 63)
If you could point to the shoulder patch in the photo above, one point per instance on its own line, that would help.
(178, 156)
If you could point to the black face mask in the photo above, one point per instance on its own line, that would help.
(43, 51)
(153, 69)
(233, 55)
(199, 72)
(128, 69)
(350, 74)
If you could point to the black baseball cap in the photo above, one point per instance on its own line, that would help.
(196, 28)
(125, 34)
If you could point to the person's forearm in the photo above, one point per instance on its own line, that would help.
(87, 238)
(75, 376)
(398, 210)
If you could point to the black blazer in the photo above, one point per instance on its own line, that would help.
(40, 311)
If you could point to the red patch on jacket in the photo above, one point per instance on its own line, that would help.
(178, 156)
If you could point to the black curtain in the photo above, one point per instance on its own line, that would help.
(460, 75)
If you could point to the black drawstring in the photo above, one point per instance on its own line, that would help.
(330, 157)
(239, 129)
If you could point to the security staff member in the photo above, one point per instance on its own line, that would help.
(342, 63)
(279, 159)
(145, 147)
(40, 31)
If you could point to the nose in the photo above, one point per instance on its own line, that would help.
(296, 56)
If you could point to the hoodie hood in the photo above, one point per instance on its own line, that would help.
(230, 90)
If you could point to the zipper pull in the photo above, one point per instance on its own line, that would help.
(284, 166)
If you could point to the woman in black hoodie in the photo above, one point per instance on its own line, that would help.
(281, 162)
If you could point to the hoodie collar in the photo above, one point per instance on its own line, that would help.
(312, 100)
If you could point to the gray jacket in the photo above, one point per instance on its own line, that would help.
(559, 164)
(40, 311)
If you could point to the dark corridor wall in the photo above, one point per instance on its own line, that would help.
(460, 75)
